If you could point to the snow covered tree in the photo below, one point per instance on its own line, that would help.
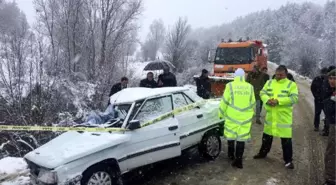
(176, 48)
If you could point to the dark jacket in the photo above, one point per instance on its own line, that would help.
(327, 90)
(317, 88)
(289, 76)
(168, 80)
(257, 80)
(329, 107)
(203, 87)
(148, 83)
(115, 88)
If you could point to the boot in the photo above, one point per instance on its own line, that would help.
(259, 156)
(238, 163)
(289, 165)
(231, 150)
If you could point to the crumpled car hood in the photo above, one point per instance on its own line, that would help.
(73, 145)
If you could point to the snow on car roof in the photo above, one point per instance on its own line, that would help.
(129, 95)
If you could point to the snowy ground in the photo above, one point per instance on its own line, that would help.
(308, 148)
(13, 171)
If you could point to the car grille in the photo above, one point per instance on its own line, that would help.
(34, 168)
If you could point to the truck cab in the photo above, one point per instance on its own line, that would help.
(230, 56)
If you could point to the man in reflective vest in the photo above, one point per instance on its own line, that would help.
(236, 107)
(280, 94)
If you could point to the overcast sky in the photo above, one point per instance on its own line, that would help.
(200, 13)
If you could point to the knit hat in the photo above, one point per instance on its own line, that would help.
(239, 72)
(332, 73)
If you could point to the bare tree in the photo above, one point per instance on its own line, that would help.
(176, 45)
(155, 38)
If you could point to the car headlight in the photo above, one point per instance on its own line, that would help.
(47, 177)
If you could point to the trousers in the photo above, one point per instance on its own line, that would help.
(319, 107)
(286, 143)
(236, 151)
(329, 160)
(259, 105)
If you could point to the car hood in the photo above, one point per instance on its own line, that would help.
(73, 145)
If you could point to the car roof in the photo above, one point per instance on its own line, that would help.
(132, 94)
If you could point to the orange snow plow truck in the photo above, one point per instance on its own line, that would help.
(230, 56)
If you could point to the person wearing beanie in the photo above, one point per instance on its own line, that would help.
(237, 108)
(329, 160)
(203, 85)
(280, 95)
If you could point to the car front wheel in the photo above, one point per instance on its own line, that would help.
(211, 145)
(100, 175)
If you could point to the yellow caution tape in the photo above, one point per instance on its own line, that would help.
(99, 129)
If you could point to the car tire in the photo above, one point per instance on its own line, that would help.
(210, 146)
(101, 172)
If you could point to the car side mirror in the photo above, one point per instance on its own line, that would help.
(134, 124)
(209, 57)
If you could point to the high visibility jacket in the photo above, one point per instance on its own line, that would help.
(237, 108)
(278, 121)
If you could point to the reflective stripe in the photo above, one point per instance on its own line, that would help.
(292, 100)
(238, 122)
(294, 94)
(241, 79)
(284, 91)
(232, 95)
(269, 90)
(237, 108)
(269, 83)
(282, 96)
(290, 83)
(268, 123)
(235, 133)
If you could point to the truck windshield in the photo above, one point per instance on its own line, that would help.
(234, 55)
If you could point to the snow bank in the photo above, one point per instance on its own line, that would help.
(13, 170)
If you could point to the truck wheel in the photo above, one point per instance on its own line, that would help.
(211, 145)
(101, 174)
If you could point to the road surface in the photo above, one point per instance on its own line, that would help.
(308, 148)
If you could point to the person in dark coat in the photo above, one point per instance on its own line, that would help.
(257, 79)
(317, 91)
(149, 82)
(326, 93)
(329, 160)
(289, 75)
(203, 85)
(167, 79)
(118, 87)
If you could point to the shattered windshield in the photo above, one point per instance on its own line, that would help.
(234, 55)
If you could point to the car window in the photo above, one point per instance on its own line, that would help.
(189, 101)
(191, 94)
(136, 108)
(154, 108)
(179, 100)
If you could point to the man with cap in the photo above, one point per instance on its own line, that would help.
(329, 160)
(203, 85)
(280, 95)
(237, 108)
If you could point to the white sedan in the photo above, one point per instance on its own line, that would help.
(89, 158)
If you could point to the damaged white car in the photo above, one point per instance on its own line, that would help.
(102, 157)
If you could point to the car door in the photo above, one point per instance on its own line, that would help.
(155, 142)
(191, 122)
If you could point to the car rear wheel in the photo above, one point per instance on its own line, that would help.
(100, 175)
(211, 145)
